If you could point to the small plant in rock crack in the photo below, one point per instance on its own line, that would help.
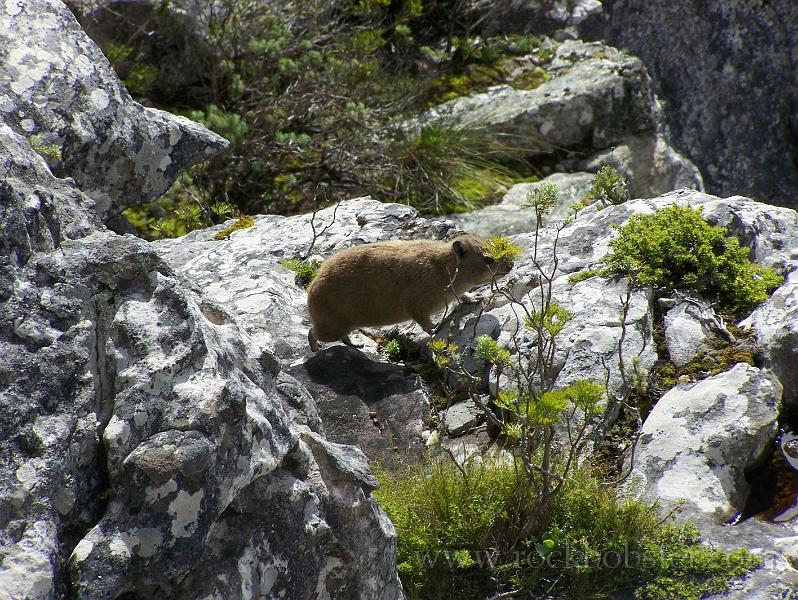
(608, 188)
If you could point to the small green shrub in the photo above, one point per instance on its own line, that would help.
(583, 275)
(500, 247)
(676, 248)
(459, 536)
(608, 188)
(305, 270)
(392, 349)
(50, 152)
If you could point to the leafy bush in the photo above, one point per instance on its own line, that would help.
(676, 248)
(460, 535)
(608, 188)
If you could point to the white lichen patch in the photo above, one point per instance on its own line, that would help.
(53, 429)
(31, 67)
(149, 541)
(82, 550)
(153, 494)
(99, 99)
(27, 475)
(165, 162)
(117, 433)
(185, 511)
(120, 545)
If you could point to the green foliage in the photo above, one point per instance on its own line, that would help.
(50, 152)
(459, 536)
(140, 79)
(543, 198)
(608, 188)
(305, 269)
(550, 320)
(489, 350)
(242, 222)
(229, 125)
(392, 349)
(444, 354)
(501, 248)
(583, 275)
(676, 248)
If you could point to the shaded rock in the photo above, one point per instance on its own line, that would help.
(509, 217)
(535, 16)
(56, 84)
(372, 404)
(687, 326)
(461, 417)
(733, 111)
(775, 325)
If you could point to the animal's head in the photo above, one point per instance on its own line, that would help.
(473, 264)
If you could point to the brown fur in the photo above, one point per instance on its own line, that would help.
(389, 282)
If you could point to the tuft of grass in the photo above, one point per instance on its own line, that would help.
(460, 536)
(242, 222)
(305, 270)
(675, 248)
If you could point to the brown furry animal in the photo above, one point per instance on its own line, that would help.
(389, 282)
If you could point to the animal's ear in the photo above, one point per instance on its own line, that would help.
(459, 247)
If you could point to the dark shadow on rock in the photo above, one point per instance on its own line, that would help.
(374, 405)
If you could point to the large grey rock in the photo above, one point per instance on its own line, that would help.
(597, 96)
(650, 165)
(688, 324)
(775, 325)
(732, 108)
(141, 428)
(695, 447)
(55, 83)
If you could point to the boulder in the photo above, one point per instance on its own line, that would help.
(688, 324)
(56, 85)
(141, 427)
(733, 107)
(775, 325)
(694, 450)
(597, 96)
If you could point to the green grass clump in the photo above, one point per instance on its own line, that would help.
(675, 248)
(242, 222)
(460, 536)
(305, 270)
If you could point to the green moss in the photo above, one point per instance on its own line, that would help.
(305, 270)
(242, 222)
(531, 79)
(583, 275)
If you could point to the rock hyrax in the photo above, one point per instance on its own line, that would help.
(389, 282)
